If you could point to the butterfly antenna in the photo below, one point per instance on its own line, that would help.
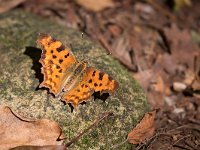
(105, 54)
(82, 36)
(102, 55)
(95, 57)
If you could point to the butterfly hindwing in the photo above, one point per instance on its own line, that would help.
(93, 81)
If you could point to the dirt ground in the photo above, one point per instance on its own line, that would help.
(158, 41)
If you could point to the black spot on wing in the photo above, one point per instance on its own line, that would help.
(67, 55)
(60, 71)
(60, 61)
(93, 74)
(51, 41)
(61, 48)
(90, 81)
(82, 85)
(57, 67)
(101, 75)
(110, 78)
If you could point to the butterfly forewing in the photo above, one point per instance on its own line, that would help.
(57, 61)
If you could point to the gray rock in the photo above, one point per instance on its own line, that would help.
(20, 76)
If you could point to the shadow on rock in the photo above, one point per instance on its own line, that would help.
(35, 54)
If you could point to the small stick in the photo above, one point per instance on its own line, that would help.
(176, 142)
(104, 116)
(162, 10)
(118, 145)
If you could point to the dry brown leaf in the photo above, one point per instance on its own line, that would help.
(144, 77)
(197, 67)
(196, 82)
(181, 45)
(181, 3)
(159, 84)
(49, 147)
(6, 5)
(95, 5)
(17, 131)
(145, 129)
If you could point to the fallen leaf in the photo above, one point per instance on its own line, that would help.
(17, 131)
(155, 99)
(197, 67)
(95, 5)
(158, 84)
(144, 77)
(49, 147)
(181, 3)
(181, 45)
(6, 5)
(145, 129)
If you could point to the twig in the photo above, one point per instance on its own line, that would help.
(175, 143)
(162, 10)
(117, 145)
(104, 116)
(182, 147)
(151, 140)
(185, 126)
(192, 120)
(191, 144)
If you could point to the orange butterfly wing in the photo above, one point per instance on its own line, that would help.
(57, 61)
(62, 72)
(93, 81)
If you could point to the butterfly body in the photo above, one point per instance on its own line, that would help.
(75, 77)
(66, 76)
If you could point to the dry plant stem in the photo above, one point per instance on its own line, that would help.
(187, 126)
(104, 116)
(194, 121)
(148, 141)
(176, 142)
(118, 145)
(162, 10)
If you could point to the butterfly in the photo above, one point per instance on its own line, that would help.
(67, 77)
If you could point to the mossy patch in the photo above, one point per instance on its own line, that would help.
(20, 76)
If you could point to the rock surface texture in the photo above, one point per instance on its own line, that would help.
(20, 77)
